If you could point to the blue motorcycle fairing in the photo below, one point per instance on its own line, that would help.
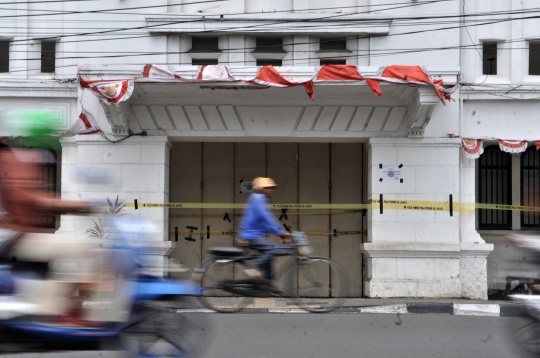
(7, 286)
(154, 288)
(51, 332)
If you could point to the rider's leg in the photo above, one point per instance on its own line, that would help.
(263, 262)
(73, 261)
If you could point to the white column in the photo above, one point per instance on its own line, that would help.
(236, 50)
(518, 50)
(185, 46)
(468, 198)
(516, 192)
(137, 168)
(413, 253)
(173, 49)
(473, 249)
(19, 48)
(301, 51)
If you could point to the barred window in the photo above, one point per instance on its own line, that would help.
(495, 187)
(530, 187)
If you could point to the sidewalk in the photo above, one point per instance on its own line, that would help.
(462, 307)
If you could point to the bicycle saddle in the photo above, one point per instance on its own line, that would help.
(225, 251)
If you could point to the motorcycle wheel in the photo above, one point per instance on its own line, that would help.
(156, 331)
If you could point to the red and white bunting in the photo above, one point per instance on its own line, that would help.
(159, 72)
(408, 75)
(216, 73)
(81, 126)
(473, 147)
(513, 146)
(111, 91)
(269, 76)
(337, 73)
(114, 91)
(537, 144)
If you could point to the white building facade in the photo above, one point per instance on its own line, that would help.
(203, 139)
(500, 78)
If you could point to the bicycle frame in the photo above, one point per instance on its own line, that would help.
(257, 288)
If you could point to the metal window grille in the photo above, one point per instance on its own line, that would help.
(495, 187)
(530, 187)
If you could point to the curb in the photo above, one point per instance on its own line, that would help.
(448, 308)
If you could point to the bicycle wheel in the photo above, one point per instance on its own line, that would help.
(526, 331)
(319, 285)
(160, 332)
(220, 279)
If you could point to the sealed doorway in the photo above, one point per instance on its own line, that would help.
(307, 173)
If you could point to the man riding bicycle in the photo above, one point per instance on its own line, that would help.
(257, 222)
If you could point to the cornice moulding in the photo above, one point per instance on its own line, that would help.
(271, 23)
(410, 250)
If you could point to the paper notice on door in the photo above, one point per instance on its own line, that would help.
(390, 173)
(246, 186)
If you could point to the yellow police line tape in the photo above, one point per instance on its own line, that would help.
(211, 233)
(239, 214)
(349, 208)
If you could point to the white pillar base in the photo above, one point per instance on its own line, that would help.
(412, 270)
(473, 270)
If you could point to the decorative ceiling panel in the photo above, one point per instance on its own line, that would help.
(179, 118)
(196, 118)
(161, 117)
(230, 118)
(343, 118)
(271, 120)
(377, 119)
(213, 118)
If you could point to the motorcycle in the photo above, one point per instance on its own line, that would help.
(151, 328)
(526, 326)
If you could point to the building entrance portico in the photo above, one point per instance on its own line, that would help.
(326, 151)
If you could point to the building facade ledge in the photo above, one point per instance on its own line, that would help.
(270, 23)
(37, 89)
(390, 250)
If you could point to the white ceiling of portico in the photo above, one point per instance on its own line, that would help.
(285, 114)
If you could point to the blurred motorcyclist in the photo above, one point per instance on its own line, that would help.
(24, 201)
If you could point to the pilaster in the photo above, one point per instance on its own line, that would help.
(135, 169)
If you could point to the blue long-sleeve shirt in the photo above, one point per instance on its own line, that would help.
(257, 219)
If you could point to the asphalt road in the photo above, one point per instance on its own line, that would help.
(349, 335)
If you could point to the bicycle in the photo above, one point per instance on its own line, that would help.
(308, 279)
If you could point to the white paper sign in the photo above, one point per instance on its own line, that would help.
(246, 187)
(390, 173)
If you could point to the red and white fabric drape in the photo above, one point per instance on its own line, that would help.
(513, 146)
(114, 91)
(109, 91)
(408, 75)
(472, 148)
(82, 125)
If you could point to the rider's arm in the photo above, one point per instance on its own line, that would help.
(22, 190)
(40, 202)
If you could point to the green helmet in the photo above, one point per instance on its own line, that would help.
(34, 124)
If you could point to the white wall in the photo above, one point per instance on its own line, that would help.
(127, 36)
